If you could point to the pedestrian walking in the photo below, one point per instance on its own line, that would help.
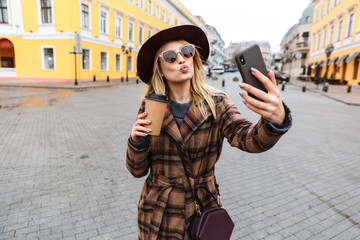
(197, 119)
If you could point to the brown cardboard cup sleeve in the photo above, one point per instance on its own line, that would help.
(155, 106)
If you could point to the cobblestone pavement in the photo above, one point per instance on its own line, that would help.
(63, 174)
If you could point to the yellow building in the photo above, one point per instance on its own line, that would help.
(38, 38)
(336, 27)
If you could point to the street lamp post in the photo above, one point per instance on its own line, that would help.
(127, 52)
(328, 50)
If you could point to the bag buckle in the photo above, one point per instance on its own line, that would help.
(197, 208)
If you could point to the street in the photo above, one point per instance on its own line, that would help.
(63, 173)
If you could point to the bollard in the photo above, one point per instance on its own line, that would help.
(107, 78)
(223, 82)
(326, 87)
(137, 80)
(349, 88)
(304, 88)
(283, 86)
(122, 78)
(94, 78)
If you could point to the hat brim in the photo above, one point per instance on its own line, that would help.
(190, 33)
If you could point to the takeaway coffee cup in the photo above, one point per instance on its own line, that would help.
(155, 106)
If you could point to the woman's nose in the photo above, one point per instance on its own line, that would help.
(180, 58)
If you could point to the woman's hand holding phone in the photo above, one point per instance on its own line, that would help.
(271, 107)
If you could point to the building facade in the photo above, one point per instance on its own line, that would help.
(234, 48)
(295, 46)
(63, 40)
(335, 45)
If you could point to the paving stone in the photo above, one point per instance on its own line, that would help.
(69, 180)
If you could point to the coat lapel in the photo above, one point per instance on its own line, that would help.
(170, 126)
(193, 119)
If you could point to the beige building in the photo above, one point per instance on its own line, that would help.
(295, 46)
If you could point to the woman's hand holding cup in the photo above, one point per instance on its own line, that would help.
(139, 130)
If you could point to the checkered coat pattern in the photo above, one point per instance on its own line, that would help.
(166, 204)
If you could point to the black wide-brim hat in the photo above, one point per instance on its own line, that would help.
(190, 33)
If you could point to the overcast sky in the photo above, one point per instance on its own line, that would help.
(246, 20)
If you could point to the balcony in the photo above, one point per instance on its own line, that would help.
(302, 46)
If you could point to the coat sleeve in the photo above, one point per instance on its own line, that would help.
(241, 133)
(137, 159)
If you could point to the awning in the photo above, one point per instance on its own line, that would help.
(352, 57)
(6, 44)
(320, 63)
(323, 63)
(332, 60)
(305, 34)
(341, 59)
(311, 64)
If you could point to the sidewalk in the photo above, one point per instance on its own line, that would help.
(336, 92)
(68, 84)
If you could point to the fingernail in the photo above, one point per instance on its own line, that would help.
(144, 112)
(145, 134)
(241, 85)
(241, 94)
(148, 121)
(253, 70)
(149, 130)
(244, 101)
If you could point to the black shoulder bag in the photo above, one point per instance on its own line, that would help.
(211, 223)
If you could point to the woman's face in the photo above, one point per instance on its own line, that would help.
(179, 71)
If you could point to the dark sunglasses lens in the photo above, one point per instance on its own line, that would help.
(188, 51)
(170, 56)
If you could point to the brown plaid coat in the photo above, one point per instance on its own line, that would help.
(166, 204)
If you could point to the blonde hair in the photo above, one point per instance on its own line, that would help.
(201, 92)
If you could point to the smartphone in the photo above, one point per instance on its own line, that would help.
(248, 58)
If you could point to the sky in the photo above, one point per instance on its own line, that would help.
(247, 20)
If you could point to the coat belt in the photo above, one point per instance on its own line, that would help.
(167, 186)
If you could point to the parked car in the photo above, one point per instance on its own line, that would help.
(232, 69)
(279, 76)
(218, 70)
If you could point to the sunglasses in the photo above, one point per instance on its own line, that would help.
(187, 51)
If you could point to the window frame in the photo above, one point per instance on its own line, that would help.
(82, 15)
(131, 36)
(43, 57)
(82, 60)
(107, 61)
(118, 65)
(120, 34)
(141, 34)
(5, 9)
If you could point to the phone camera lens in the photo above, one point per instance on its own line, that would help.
(242, 60)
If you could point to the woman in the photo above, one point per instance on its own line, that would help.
(198, 118)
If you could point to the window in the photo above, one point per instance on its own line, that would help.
(118, 62)
(149, 33)
(328, 6)
(340, 29)
(163, 15)
(314, 39)
(322, 11)
(169, 19)
(157, 13)
(335, 3)
(317, 16)
(48, 58)
(331, 38)
(118, 27)
(3, 12)
(130, 63)
(141, 4)
(104, 62)
(86, 59)
(46, 16)
(176, 22)
(350, 24)
(318, 43)
(103, 22)
(141, 35)
(85, 16)
(150, 6)
(7, 62)
(131, 31)
(324, 40)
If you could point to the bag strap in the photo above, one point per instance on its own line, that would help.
(194, 193)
